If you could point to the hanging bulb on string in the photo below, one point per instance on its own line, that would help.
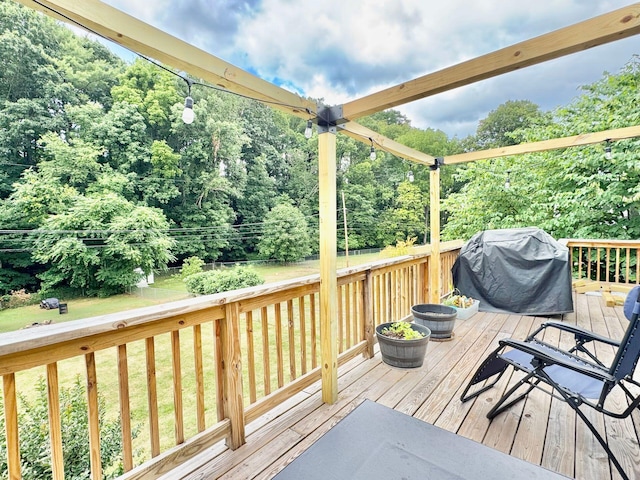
(507, 183)
(607, 151)
(309, 130)
(372, 153)
(187, 114)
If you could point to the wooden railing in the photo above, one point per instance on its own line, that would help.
(608, 261)
(214, 362)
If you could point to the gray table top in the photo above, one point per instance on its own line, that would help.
(375, 442)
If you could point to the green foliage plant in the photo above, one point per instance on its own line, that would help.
(222, 280)
(286, 236)
(191, 266)
(402, 330)
(35, 443)
(402, 247)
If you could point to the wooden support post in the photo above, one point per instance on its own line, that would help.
(328, 278)
(434, 261)
(232, 373)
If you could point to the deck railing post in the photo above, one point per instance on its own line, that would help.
(367, 313)
(232, 375)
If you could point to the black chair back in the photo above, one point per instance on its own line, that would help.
(628, 354)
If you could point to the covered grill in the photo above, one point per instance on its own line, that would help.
(518, 270)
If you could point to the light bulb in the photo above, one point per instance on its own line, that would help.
(607, 152)
(507, 183)
(309, 130)
(187, 114)
(372, 155)
(410, 176)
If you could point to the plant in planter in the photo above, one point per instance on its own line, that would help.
(458, 300)
(403, 344)
(465, 306)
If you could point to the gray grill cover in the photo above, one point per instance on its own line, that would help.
(518, 270)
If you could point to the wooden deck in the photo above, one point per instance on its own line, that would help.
(540, 430)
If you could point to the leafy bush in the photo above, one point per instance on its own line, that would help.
(34, 436)
(222, 280)
(190, 266)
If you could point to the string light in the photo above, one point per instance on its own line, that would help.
(507, 183)
(372, 154)
(309, 130)
(188, 116)
(607, 151)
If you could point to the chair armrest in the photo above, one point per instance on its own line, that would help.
(581, 333)
(548, 356)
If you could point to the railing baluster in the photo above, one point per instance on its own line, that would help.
(217, 353)
(251, 361)
(264, 317)
(340, 303)
(152, 397)
(303, 335)
(314, 331)
(55, 426)
(232, 366)
(292, 341)
(11, 425)
(94, 417)
(177, 387)
(199, 377)
(627, 270)
(347, 315)
(279, 355)
(125, 411)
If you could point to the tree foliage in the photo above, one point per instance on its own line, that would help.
(78, 126)
(571, 193)
(285, 237)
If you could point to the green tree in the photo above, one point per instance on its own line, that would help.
(96, 246)
(285, 237)
(501, 126)
(576, 192)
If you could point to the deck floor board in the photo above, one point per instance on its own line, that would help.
(540, 430)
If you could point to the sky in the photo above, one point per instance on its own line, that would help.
(342, 50)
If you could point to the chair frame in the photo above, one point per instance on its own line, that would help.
(578, 359)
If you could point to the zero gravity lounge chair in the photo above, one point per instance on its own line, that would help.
(575, 376)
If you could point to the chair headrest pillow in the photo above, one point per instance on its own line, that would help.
(630, 302)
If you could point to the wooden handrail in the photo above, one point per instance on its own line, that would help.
(253, 347)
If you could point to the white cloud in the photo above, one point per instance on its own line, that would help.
(340, 50)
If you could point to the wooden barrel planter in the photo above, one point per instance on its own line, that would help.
(440, 319)
(400, 352)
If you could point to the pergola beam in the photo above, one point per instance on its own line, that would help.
(366, 135)
(137, 36)
(600, 30)
(544, 145)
